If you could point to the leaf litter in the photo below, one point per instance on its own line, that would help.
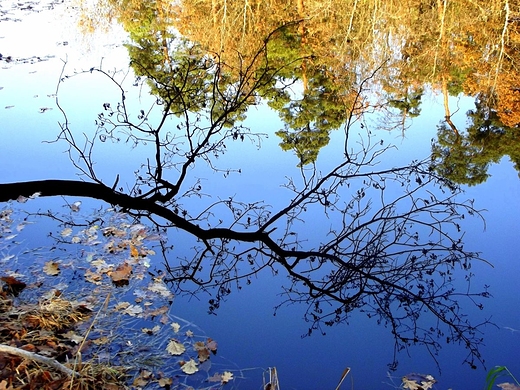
(96, 309)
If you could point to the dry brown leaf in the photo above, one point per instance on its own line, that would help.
(151, 331)
(508, 386)
(175, 348)
(51, 268)
(189, 367)
(159, 311)
(12, 285)
(134, 252)
(101, 341)
(211, 345)
(93, 277)
(75, 338)
(203, 355)
(121, 275)
(163, 382)
(142, 380)
(122, 305)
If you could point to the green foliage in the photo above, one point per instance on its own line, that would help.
(322, 106)
(306, 143)
(496, 373)
(408, 102)
(465, 158)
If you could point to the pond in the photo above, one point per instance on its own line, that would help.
(318, 186)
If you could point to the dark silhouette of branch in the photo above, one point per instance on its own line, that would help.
(388, 245)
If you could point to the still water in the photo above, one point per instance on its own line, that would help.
(37, 40)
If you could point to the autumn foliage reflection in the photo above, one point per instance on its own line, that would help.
(384, 240)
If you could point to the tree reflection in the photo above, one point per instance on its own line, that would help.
(465, 158)
(451, 47)
(384, 241)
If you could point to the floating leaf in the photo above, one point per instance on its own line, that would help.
(202, 353)
(160, 288)
(133, 251)
(12, 285)
(93, 277)
(75, 338)
(51, 268)
(226, 377)
(20, 227)
(133, 310)
(122, 305)
(121, 275)
(143, 379)
(189, 367)
(151, 331)
(175, 348)
(418, 382)
(163, 382)
(101, 341)
(508, 386)
(211, 345)
(66, 232)
(21, 199)
(176, 327)
(6, 258)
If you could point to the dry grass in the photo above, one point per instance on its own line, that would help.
(39, 328)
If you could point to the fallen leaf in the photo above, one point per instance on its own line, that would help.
(7, 258)
(133, 251)
(66, 232)
(51, 268)
(133, 310)
(418, 382)
(12, 285)
(508, 386)
(160, 288)
(159, 311)
(143, 379)
(211, 345)
(226, 377)
(122, 305)
(189, 367)
(163, 382)
(93, 277)
(121, 275)
(176, 327)
(101, 341)
(203, 354)
(175, 348)
(75, 338)
(151, 331)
